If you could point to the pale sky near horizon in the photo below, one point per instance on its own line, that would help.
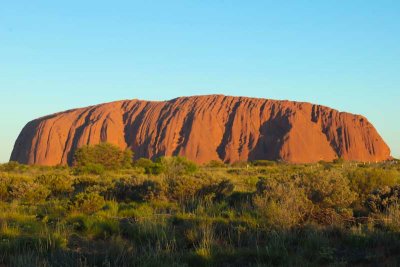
(56, 56)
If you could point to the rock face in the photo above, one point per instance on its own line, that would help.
(205, 128)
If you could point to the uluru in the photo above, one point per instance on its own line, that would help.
(205, 128)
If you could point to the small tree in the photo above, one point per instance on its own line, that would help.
(106, 155)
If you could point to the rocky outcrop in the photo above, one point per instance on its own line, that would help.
(205, 128)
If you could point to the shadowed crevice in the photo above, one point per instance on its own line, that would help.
(185, 133)
(221, 150)
(132, 126)
(272, 135)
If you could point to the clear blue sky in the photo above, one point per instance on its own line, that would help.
(56, 55)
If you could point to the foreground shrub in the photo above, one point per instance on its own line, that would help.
(148, 190)
(130, 189)
(383, 198)
(217, 192)
(89, 202)
(80, 222)
(391, 217)
(329, 189)
(59, 185)
(183, 188)
(52, 210)
(280, 203)
(4, 189)
(27, 191)
(85, 183)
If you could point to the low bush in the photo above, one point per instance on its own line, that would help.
(217, 192)
(215, 164)
(329, 189)
(88, 202)
(177, 166)
(11, 166)
(364, 181)
(131, 190)
(90, 168)
(264, 163)
(383, 198)
(27, 191)
(183, 188)
(59, 185)
(150, 167)
(281, 203)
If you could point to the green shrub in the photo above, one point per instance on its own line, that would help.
(59, 185)
(280, 203)
(27, 191)
(123, 189)
(155, 169)
(182, 188)
(217, 192)
(241, 200)
(241, 164)
(52, 210)
(364, 181)
(89, 202)
(177, 166)
(328, 189)
(80, 222)
(148, 190)
(215, 164)
(4, 189)
(107, 155)
(383, 198)
(330, 192)
(89, 183)
(143, 163)
(90, 168)
(104, 228)
(264, 163)
(339, 161)
(10, 166)
(391, 218)
(149, 166)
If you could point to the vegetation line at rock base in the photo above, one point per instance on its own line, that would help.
(172, 212)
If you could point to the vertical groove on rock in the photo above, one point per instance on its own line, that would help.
(228, 132)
